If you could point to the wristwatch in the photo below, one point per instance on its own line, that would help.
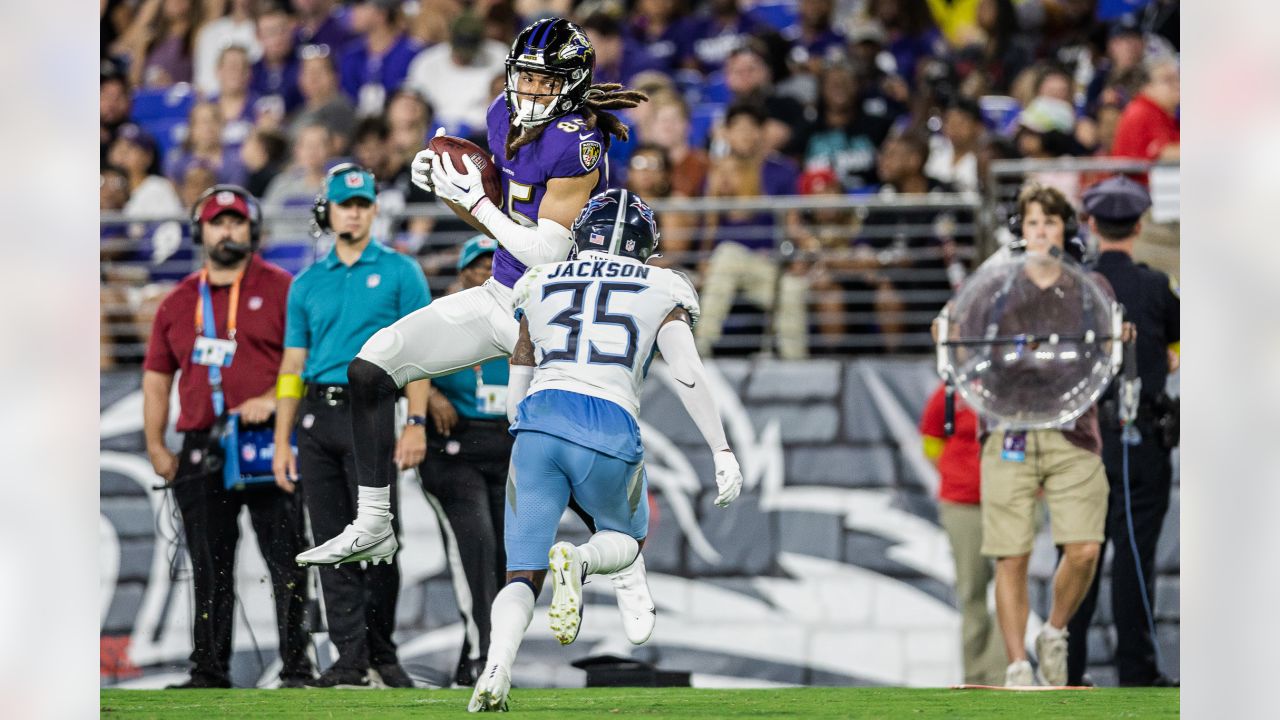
(415, 420)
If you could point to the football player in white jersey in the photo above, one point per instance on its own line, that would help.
(589, 327)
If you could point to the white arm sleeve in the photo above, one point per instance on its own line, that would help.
(675, 342)
(517, 387)
(549, 242)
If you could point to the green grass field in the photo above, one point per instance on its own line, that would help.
(647, 702)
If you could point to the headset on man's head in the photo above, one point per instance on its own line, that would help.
(255, 213)
(320, 208)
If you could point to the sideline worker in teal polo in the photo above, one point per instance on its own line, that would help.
(465, 473)
(334, 307)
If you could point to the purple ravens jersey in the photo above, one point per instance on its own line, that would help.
(565, 149)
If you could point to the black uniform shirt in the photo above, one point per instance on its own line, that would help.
(1151, 304)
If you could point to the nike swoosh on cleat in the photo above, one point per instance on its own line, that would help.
(688, 385)
(355, 544)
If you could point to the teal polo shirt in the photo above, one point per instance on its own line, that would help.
(460, 387)
(333, 309)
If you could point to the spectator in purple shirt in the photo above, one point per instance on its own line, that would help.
(204, 145)
(160, 42)
(238, 105)
(657, 26)
(716, 33)
(913, 35)
(375, 65)
(322, 22)
(619, 56)
(743, 240)
(813, 40)
(276, 72)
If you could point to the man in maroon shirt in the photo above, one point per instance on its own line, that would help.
(247, 297)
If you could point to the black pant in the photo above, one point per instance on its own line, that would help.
(465, 478)
(360, 602)
(210, 523)
(1150, 481)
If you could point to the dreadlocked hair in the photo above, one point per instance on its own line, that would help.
(598, 101)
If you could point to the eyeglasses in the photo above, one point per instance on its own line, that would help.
(644, 163)
(312, 52)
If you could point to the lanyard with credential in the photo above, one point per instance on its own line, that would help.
(205, 323)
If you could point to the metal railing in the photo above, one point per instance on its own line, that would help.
(874, 270)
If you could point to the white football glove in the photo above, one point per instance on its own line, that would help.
(728, 477)
(462, 188)
(420, 168)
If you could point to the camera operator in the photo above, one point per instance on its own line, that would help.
(231, 352)
(1115, 207)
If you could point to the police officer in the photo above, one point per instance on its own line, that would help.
(465, 472)
(334, 307)
(1115, 207)
(223, 327)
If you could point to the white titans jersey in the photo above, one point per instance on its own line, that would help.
(594, 322)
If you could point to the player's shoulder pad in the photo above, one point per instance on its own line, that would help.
(684, 295)
(588, 141)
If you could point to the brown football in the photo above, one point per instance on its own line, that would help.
(457, 147)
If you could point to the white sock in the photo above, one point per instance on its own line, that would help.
(373, 509)
(1052, 632)
(509, 619)
(608, 552)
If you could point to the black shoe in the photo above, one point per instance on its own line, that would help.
(394, 676)
(299, 681)
(201, 682)
(1163, 680)
(336, 677)
(469, 671)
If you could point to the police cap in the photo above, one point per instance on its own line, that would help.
(1117, 200)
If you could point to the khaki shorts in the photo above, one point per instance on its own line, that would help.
(1075, 489)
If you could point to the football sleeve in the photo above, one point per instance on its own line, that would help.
(684, 296)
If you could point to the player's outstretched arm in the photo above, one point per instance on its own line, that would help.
(549, 241)
(521, 374)
(675, 342)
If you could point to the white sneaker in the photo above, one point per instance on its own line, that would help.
(566, 599)
(1051, 652)
(491, 691)
(353, 544)
(635, 603)
(1018, 674)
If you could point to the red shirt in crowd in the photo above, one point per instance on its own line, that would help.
(1144, 129)
(264, 290)
(961, 458)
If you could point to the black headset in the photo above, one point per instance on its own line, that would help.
(255, 213)
(320, 207)
(1073, 245)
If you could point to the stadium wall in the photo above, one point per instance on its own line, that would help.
(831, 568)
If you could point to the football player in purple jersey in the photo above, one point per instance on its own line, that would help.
(549, 133)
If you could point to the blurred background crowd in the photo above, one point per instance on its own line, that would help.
(821, 168)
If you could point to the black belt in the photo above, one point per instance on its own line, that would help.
(328, 394)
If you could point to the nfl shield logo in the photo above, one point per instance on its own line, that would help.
(596, 239)
(631, 244)
(249, 452)
(354, 179)
(255, 303)
(373, 280)
(589, 154)
(224, 198)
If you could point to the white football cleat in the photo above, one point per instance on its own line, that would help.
(635, 603)
(1051, 652)
(491, 691)
(353, 544)
(566, 599)
(1018, 674)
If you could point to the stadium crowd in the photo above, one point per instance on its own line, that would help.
(748, 99)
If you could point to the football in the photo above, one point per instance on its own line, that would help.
(456, 148)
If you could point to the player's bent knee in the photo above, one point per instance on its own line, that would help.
(383, 346)
(365, 374)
